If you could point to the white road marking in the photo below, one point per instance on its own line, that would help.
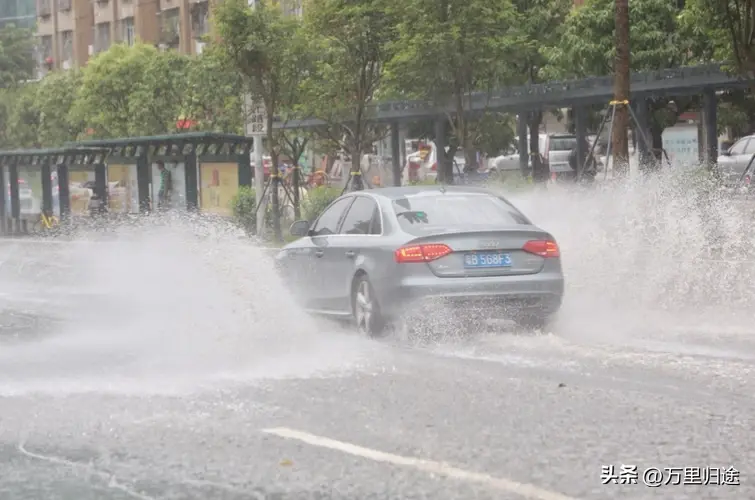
(498, 483)
(112, 482)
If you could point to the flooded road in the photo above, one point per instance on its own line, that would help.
(170, 364)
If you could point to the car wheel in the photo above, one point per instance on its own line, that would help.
(367, 313)
(534, 322)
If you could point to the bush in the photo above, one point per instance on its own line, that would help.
(244, 209)
(318, 200)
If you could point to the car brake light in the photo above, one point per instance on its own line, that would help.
(421, 253)
(434, 167)
(543, 248)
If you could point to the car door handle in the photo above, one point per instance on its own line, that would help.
(319, 253)
(351, 254)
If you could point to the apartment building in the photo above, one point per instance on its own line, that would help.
(71, 31)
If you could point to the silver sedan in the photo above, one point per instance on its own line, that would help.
(378, 255)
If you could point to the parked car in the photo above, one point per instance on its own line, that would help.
(733, 161)
(554, 149)
(375, 255)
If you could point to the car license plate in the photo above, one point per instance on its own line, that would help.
(492, 259)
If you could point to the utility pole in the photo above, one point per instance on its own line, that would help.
(620, 145)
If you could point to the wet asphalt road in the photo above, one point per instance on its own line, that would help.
(496, 416)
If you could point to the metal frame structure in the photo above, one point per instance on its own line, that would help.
(188, 147)
(587, 91)
(46, 159)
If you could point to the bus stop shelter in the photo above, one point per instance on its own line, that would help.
(38, 180)
(206, 168)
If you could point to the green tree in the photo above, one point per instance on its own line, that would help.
(536, 33)
(57, 124)
(24, 119)
(267, 51)
(446, 50)
(161, 96)
(659, 40)
(727, 25)
(7, 103)
(17, 61)
(215, 92)
(718, 26)
(350, 39)
(107, 84)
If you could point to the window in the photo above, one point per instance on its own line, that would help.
(739, 147)
(127, 31)
(67, 42)
(169, 28)
(46, 60)
(750, 148)
(424, 213)
(64, 5)
(43, 8)
(328, 221)
(361, 217)
(101, 37)
(562, 143)
(200, 19)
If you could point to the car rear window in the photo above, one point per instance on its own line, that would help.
(563, 143)
(424, 213)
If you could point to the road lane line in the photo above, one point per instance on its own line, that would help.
(112, 481)
(509, 485)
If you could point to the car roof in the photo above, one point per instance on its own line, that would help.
(394, 193)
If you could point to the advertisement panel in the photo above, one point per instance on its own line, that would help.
(681, 145)
(218, 184)
(80, 185)
(178, 184)
(122, 189)
(30, 191)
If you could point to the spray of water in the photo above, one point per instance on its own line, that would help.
(169, 304)
(650, 257)
(179, 303)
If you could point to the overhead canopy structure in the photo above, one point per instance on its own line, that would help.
(192, 154)
(674, 82)
(174, 145)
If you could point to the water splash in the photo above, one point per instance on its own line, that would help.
(651, 256)
(169, 304)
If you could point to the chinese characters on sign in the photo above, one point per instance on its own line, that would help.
(655, 477)
(256, 118)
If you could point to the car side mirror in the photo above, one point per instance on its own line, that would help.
(726, 152)
(299, 228)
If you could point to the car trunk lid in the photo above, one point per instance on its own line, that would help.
(482, 253)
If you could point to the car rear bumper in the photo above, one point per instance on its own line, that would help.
(491, 297)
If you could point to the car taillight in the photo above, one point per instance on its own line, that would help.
(421, 253)
(543, 248)
(434, 167)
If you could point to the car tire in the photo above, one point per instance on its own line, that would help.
(533, 322)
(367, 315)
